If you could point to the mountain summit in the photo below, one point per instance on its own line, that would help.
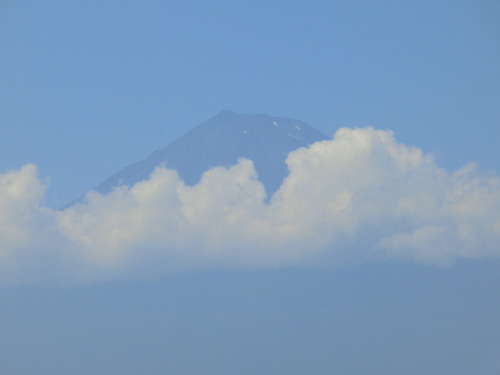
(221, 141)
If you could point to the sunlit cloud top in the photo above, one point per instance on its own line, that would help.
(360, 196)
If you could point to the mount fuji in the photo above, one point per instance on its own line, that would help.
(221, 141)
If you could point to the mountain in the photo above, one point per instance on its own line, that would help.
(221, 141)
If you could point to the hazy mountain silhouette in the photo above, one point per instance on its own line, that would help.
(221, 141)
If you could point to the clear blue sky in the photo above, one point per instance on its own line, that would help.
(89, 87)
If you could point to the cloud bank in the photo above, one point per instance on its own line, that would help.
(360, 196)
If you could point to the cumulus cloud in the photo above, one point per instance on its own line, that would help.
(360, 196)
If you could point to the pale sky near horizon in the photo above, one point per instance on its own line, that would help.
(90, 87)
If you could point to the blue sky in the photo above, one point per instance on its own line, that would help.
(90, 87)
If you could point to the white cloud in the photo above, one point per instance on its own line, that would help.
(358, 196)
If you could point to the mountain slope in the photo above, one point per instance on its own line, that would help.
(221, 141)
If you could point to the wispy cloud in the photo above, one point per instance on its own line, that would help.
(360, 196)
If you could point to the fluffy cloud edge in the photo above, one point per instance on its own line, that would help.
(359, 196)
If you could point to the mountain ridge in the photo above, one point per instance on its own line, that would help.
(221, 141)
